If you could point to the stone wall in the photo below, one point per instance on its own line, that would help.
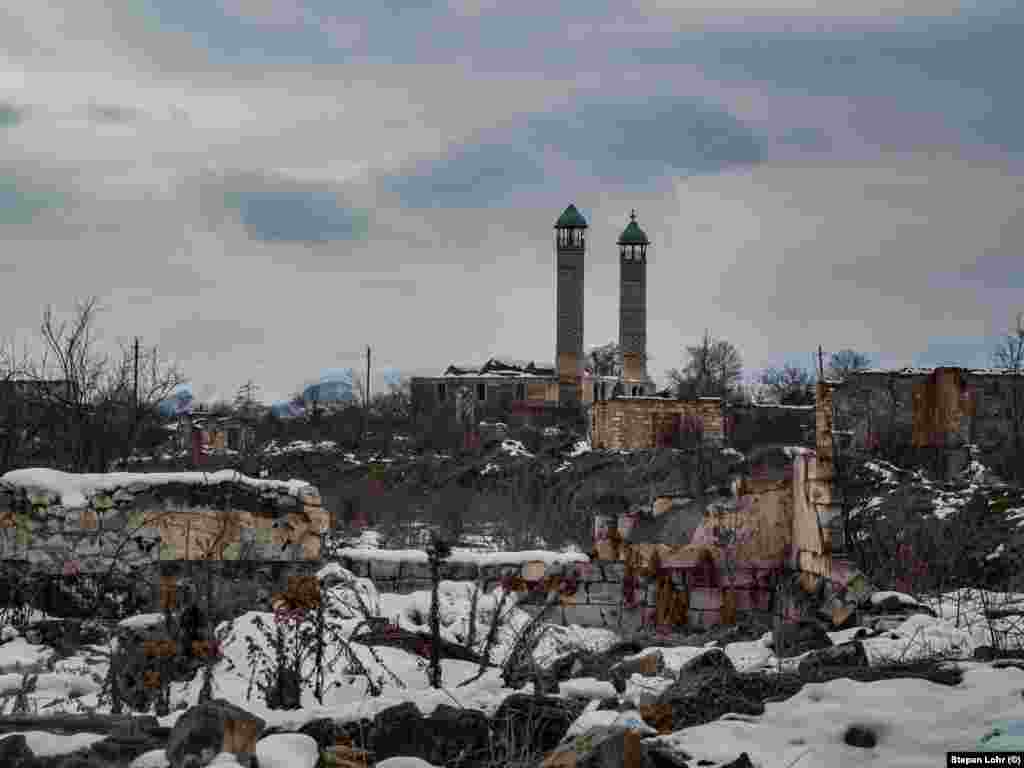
(929, 408)
(636, 423)
(134, 520)
(749, 426)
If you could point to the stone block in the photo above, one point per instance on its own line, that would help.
(590, 615)
(614, 572)
(602, 593)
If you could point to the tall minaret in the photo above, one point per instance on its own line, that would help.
(633, 306)
(570, 245)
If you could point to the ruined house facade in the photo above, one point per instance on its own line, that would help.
(503, 389)
(946, 408)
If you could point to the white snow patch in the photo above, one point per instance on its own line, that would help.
(76, 490)
(996, 552)
(287, 750)
(917, 722)
(46, 744)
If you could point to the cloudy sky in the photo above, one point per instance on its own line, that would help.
(264, 187)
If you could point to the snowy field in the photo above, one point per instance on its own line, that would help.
(916, 721)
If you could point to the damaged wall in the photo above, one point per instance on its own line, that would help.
(142, 523)
(931, 408)
(637, 423)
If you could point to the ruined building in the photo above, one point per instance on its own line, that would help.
(943, 410)
(502, 389)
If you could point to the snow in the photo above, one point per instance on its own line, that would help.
(515, 448)
(404, 762)
(996, 552)
(300, 446)
(462, 555)
(19, 654)
(877, 598)
(587, 687)
(76, 490)
(609, 718)
(45, 744)
(581, 447)
(287, 750)
(155, 758)
(916, 723)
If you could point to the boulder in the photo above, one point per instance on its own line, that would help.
(707, 688)
(843, 656)
(712, 660)
(602, 747)
(402, 730)
(218, 726)
(793, 639)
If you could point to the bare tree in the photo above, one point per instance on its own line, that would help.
(95, 393)
(1009, 354)
(844, 362)
(789, 385)
(713, 369)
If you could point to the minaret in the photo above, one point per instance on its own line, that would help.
(570, 245)
(633, 306)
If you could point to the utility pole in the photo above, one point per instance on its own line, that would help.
(366, 396)
(135, 399)
(821, 364)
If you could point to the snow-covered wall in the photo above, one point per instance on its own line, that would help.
(49, 519)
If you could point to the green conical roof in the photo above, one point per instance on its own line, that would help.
(632, 234)
(571, 218)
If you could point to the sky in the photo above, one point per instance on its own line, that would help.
(264, 188)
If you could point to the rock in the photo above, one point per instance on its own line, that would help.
(844, 655)
(796, 638)
(860, 736)
(743, 761)
(660, 755)
(216, 725)
(438, 739)
(15, 752)
(712, 660)
(323, 730)
(984, 653)
(650, 665)
(707, 688)
(602, 747)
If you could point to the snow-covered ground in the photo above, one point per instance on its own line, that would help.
(915, 721)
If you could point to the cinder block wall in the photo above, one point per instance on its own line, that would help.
(636, 423)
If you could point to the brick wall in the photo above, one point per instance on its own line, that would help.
(637, 423)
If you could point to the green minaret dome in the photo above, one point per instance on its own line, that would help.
(571, 218)
(632, 234)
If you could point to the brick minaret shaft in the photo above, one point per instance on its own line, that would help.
(633, 303)
(570, 247)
